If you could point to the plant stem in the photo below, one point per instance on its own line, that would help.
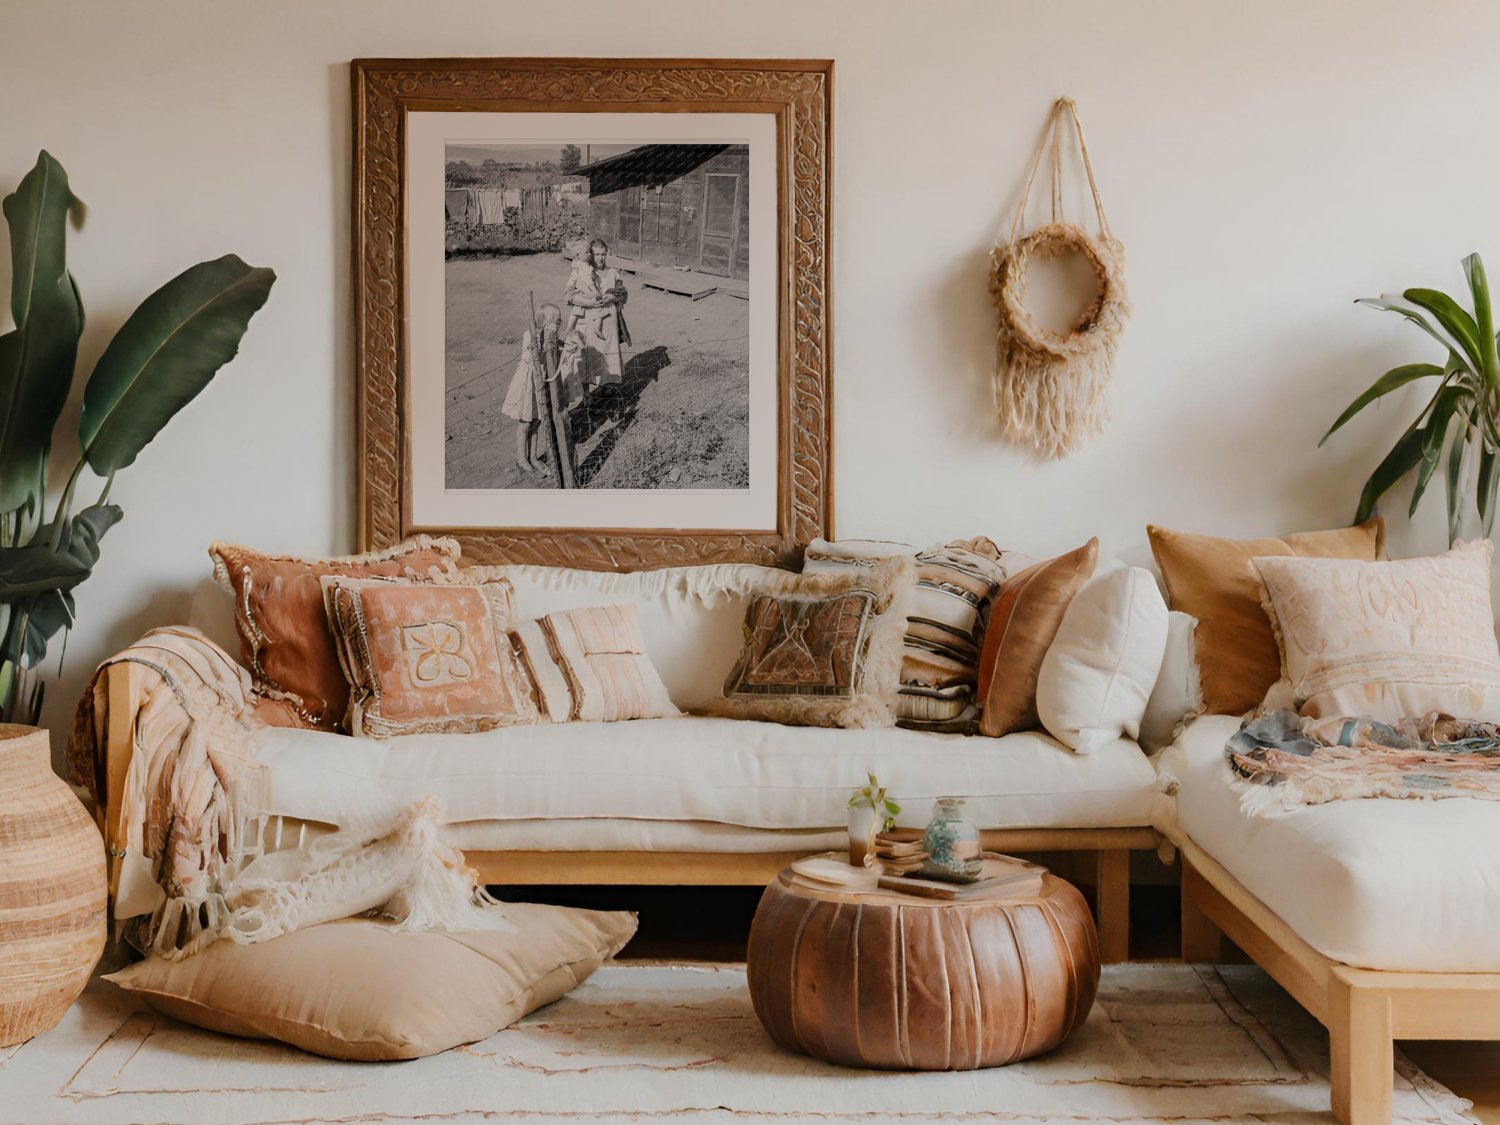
(65, 504)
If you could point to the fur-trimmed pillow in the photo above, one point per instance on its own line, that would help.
(823, 649)
(285, 640)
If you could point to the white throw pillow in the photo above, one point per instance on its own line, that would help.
(1098, 674)
(1178, 694)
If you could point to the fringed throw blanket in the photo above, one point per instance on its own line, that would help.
(1281, 761)
(191, 841)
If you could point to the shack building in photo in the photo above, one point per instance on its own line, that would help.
(684, 206)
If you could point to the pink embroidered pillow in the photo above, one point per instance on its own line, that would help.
(1390, 640)
(427, 657)
(590, 665)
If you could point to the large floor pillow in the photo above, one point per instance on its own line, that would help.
(358, 990)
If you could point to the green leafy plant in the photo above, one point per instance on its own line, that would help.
(1457, 427)
(164, 354)
(873, 796)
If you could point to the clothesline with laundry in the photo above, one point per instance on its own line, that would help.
(487, 206)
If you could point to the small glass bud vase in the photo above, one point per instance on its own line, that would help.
(951, 843)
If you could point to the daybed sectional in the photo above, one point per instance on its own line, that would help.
(1377, 915)
(688, 800)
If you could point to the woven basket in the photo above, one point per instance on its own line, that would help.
(52, 889)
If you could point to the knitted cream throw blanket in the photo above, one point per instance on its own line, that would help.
(192, 844)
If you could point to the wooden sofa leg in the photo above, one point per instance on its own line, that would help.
(1112, 886)
(1202, 941)
(1361, 1052)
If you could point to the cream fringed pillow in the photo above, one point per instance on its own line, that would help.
(356, 990)
(823, 650)
(427, 657)
(1388, 640)
(590, 665)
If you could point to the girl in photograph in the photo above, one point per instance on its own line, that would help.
(595, 297)
(521, 398)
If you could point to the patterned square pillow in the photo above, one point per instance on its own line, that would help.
(284, 635)
(427, 657)
(590, 665)
(823, 649)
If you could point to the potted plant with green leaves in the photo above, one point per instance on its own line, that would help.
(1457, 427)
(871, 811)
(161, 357)
(164, 354)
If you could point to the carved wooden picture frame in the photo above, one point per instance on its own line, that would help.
(388, 96)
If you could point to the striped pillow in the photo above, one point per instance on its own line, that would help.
(956, 583)
(590, 665)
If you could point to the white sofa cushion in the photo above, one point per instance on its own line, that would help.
(1378, 884)
(731, 771)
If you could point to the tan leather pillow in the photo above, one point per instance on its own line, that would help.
(356, 990)
(427, 657)
(1023, 622)
(285, 640)
(1215, 581)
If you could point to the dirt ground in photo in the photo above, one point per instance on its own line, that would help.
(679, 419)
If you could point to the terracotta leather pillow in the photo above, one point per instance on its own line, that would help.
(1023, 622)
(358, 990)
(427, 657)
(1215, 581)
(285, 640)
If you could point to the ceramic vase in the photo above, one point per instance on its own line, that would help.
(951, 843)
(52, 888)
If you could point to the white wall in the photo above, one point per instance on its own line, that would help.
(1264, 164)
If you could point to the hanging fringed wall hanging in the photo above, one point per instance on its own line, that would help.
(1049, 386)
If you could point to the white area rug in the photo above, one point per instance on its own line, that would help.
(647, 1042)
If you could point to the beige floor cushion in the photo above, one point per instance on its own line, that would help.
(358, 990)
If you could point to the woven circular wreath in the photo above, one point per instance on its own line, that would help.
(1096, 326)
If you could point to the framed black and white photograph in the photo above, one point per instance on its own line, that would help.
(596, 321)
(609, 308)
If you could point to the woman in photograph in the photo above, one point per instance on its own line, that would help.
(595, 297)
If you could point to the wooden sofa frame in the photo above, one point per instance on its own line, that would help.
(1111, 846)
(1364, 1010)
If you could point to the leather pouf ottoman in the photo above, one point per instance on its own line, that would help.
(889, 980)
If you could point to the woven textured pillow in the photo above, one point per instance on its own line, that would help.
(956, 584)
(427, 657)
(823, 649)
(285, 640)
(590, 665)
(355, 990)
(1026, 617)
(1387, 640)
(1214, 580)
